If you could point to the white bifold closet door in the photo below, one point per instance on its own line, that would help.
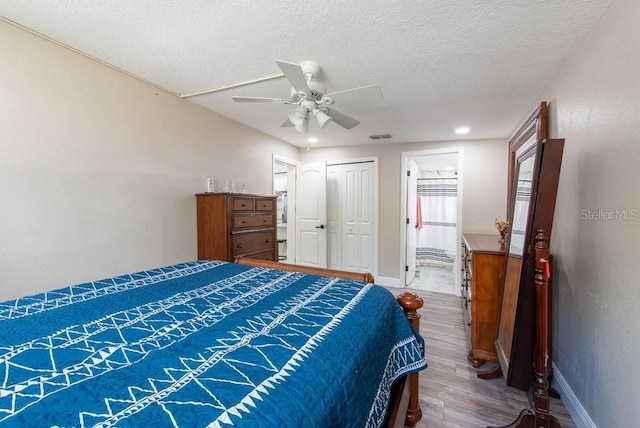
(352, 216)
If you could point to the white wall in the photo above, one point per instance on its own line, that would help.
(98, 171)
(593, 104)
(484, 188)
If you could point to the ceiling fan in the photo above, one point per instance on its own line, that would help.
(309, 98)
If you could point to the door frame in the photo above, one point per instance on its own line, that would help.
(459, 150)
(411, 224)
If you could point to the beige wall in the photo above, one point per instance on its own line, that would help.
(98, 170)
(484, 188)
(594, 106)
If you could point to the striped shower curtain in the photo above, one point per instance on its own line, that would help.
(437, 218)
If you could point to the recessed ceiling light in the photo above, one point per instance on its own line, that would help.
(312, 140)
(462, 130)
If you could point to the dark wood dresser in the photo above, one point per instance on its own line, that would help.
(482, 276)
(236, 224)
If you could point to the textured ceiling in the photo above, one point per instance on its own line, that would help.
(441, 64)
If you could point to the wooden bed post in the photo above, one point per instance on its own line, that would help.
(410, 304)
(543, 333)
(539, 416)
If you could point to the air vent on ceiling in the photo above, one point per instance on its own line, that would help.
(380, 136)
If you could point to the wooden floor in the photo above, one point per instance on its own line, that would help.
(451, 395)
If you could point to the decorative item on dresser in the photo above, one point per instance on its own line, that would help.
(234, 225)
(482, 276)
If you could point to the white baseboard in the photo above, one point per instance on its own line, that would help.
(388, 282)
(571, 402)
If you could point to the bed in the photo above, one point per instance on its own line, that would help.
(210, 343)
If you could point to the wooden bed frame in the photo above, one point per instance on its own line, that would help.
(404, 405)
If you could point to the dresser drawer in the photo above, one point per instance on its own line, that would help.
(242, 204)
(264, 204)
(265, 255)
(247, 243)
(239, 221)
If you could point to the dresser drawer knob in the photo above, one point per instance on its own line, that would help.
(267, 241)
(239, 245)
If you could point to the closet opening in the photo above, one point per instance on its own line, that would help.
(328, 213)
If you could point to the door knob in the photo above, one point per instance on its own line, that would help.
(320, 227)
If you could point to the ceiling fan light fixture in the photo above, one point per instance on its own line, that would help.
(323, 118)
(302, 127)
(308, 98)
(297, 115)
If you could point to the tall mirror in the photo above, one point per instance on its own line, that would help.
(522, 198)
(532, 204)
(518, 242)
(534, 129)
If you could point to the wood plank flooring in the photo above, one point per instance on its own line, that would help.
(451, 395)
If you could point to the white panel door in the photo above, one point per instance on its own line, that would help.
(366, 218)
(352, 205)
(358, 231)
(334, 217)
(412, 194)
(350, 219)
(311, 215)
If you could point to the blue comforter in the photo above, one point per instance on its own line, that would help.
(204, 343)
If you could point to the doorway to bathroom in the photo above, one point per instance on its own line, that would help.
(433, 219)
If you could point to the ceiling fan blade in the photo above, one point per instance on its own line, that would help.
(294, 74)
(286, 124)
(260, 100)
(342, 119)
(362, 94)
